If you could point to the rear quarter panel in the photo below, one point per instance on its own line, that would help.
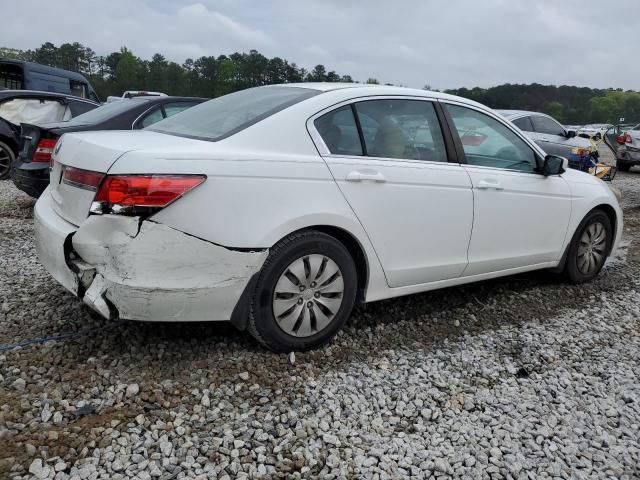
(251, 200)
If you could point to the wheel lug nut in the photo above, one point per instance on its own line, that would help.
(300, 301)
(313, 284)
(302, 288)
(310, 304)
(317, 295)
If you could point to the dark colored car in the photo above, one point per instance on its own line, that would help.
(31, 170)
(21, 75)
(18, 106)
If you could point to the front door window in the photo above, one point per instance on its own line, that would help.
(489, 143)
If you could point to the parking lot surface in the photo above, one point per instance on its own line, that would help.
(522, 377)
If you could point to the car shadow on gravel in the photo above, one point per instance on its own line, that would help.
(418, 322)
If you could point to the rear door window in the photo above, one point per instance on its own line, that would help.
(339, 131)
(404, 129)
(11, 76)
(78, 107)
(171, 109)
(78, 89)
(547, 125)
(150, 118)
(524, 124)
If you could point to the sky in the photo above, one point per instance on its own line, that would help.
(441, 43)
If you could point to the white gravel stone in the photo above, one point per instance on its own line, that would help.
(132, 389)
(523, 377)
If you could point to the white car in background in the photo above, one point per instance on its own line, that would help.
(279, 207)
(595, 131)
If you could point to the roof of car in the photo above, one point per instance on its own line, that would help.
(35, 93)
(162, 99)
(45, 69)
(374, 89)
(517, 113)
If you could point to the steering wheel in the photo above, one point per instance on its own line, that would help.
(508, 153)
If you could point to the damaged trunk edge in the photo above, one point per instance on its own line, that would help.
(138, 269)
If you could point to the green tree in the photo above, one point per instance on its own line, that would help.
(128, 71)
(318, 74)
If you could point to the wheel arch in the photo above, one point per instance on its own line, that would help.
(356, 250)
(351, 243)
(610, 212)
(613, 218)
(10, 142)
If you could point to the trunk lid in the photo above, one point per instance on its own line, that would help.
(96, 152)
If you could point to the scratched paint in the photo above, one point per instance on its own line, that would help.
(149, 271)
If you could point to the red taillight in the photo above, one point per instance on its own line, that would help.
(627, 138)
(44, 150)
(130, 193)
(82, 178)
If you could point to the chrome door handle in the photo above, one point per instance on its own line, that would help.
(365, 175)
(487, 184)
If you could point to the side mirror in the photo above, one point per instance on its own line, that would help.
(571, 133)
(554, 165)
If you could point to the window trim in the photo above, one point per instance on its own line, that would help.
(135, 124)
(539, 153)
(324, 151)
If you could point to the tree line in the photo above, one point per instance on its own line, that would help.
(207, 76)
(212, 76)
(568, 104)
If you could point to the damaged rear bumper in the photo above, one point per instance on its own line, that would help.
(141, 270)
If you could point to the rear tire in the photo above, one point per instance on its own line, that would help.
(289, 310)
(623, 166)
(589, 248)
(7, 157)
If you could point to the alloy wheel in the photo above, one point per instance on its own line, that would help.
(308, 295)
(5, 161)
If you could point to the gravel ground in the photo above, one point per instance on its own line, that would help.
(523, 377)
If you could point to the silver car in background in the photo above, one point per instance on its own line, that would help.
(550, 135)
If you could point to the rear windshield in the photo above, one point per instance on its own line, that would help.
(223, 116)
(105, 112)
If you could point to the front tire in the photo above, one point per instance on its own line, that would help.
(304, 294)
(589, 248)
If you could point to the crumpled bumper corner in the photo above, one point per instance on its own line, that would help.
(126, 268)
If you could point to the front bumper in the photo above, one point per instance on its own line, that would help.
(141, 270)
(32, 178)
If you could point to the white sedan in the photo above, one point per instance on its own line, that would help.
(278, 208)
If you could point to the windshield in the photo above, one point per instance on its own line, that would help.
(104, 112)
(223, 116)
